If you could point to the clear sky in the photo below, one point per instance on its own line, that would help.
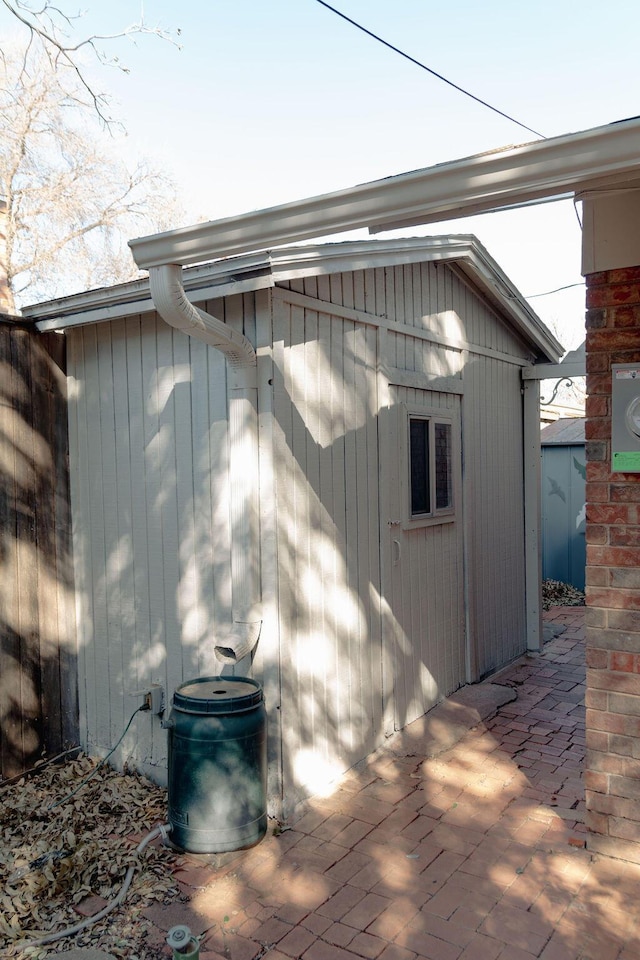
(269, 101)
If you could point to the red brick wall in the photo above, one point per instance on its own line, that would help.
(612, 776)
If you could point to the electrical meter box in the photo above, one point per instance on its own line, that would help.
(625, 417)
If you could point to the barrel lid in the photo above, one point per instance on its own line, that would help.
(218, 695)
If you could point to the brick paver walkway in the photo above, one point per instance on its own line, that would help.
(477, 854)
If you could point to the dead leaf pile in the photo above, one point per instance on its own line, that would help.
(558, 594)
(52, 857)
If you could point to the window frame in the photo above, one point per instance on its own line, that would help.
(410, 520)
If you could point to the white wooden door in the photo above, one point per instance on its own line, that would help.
(424, 634)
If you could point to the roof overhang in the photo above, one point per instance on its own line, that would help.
(267, 268)
(573, 365)
(595, 159)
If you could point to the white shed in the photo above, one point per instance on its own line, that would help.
(334, 505)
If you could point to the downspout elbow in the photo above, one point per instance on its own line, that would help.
(175, 308)
(239, 642)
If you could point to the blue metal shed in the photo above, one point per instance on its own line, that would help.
(563, 502)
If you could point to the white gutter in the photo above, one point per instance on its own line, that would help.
(546, 169)
(175, 308)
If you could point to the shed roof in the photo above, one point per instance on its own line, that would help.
(564, 432)
(266, 268)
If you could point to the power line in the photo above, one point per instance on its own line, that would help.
(428, 69)
(547, 293)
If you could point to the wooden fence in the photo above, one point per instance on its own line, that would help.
(38, 684)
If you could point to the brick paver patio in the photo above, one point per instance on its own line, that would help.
(475, 854)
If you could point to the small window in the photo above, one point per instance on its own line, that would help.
(444, 494)
(430, 467)
(419, 459)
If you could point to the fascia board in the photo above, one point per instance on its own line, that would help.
(96, 314)
(484, 273)
(554, 371)
(573, 365)
(265, 269)
(111, 303)
(246, 273)
(134, 292)
(514, 175)
(290, 263)
(243, 274)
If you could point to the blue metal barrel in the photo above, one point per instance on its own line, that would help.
(217, 777)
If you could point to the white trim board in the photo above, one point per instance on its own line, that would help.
(417, 333)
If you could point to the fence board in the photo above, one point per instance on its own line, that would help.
(38, 685)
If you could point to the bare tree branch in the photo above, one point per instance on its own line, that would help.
(53, 28)
(72, 202)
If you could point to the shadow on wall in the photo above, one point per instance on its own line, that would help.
(349, 667)
(372, 637)
(357, 639)
(38, 678)
(156, 598)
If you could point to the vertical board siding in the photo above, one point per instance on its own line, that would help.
(563, 513)
(38, 680)
(325, 407)
(492, 453)
(152, 536)
(494, 492)
(427, 587)
(422, 665)
(151, 521)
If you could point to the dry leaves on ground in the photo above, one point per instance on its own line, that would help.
(558, 594)
(52, 857)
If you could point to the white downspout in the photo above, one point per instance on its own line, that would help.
(176, 309)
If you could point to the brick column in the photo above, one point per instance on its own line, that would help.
(612, 776)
